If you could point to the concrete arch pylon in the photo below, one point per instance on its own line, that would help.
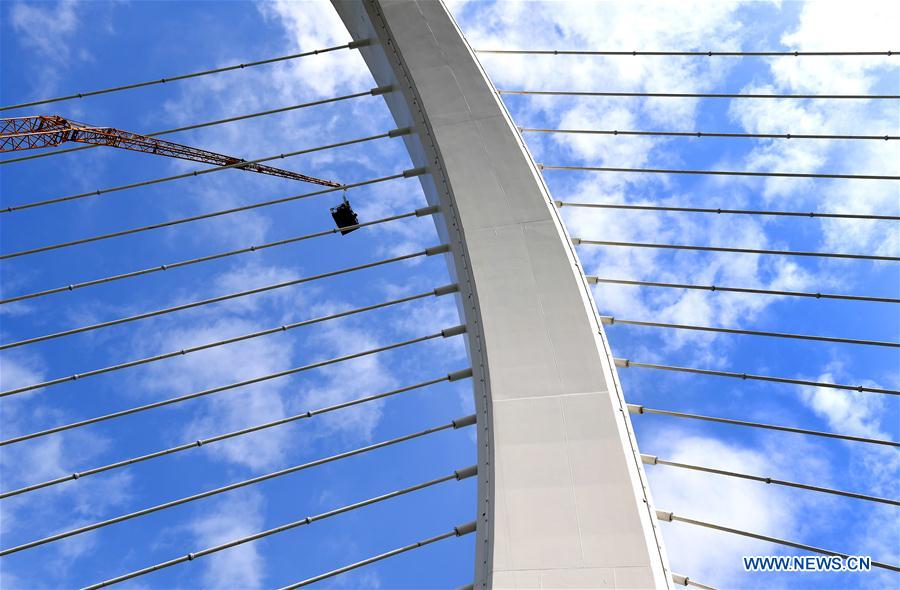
(562, 495)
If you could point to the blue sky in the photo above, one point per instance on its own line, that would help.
(57, 48)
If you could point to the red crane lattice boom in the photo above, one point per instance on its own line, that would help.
(26, 133)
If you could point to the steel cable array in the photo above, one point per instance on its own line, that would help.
(457, 475)
(351, 45)
(437, 292)
(427, 252)
(458, 531)
(398, 343)
(450, 377)
(446, 333)
(454, 424)
(173, 265)
(763, 213)
(413, 172)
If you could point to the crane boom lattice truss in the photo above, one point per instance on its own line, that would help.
(26, 133)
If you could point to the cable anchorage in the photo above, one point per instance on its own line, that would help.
(446, 289)
(451, 377)
(221, 388)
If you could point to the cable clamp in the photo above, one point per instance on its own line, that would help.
(663, 515)
(442, 249)
(591, 279)
(621, 363)
(427, 211)
(457, 375)
(399, 132)
(607, 319)
(649, 459)
(455, 331)
(358, 44)
(465, 529)
(576, 241)
(635, 408)
(466, 421)
(679, 579)
(381, 90)
(446, 290)
(467, 472)
(415, 172)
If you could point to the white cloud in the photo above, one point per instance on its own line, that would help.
(235, 515)
(706, 555)
(46, 27)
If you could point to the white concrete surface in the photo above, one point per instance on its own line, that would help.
(562, 500)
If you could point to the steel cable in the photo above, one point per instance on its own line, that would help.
(638, 409)
(687, 53)
(450, 377)
(617, 132)
(458, 531)
(446, 333)
(405, 174)
(701, 95)
(654, 460)
(669, 517)
(610, 320)
(185, 351)
(578, 241)
(720, 172)
(220, 298)
(626, 363)
(351, 45)
(456, 475)
(173, 265)
(595, 280)
(459, 423)
(810, 214)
